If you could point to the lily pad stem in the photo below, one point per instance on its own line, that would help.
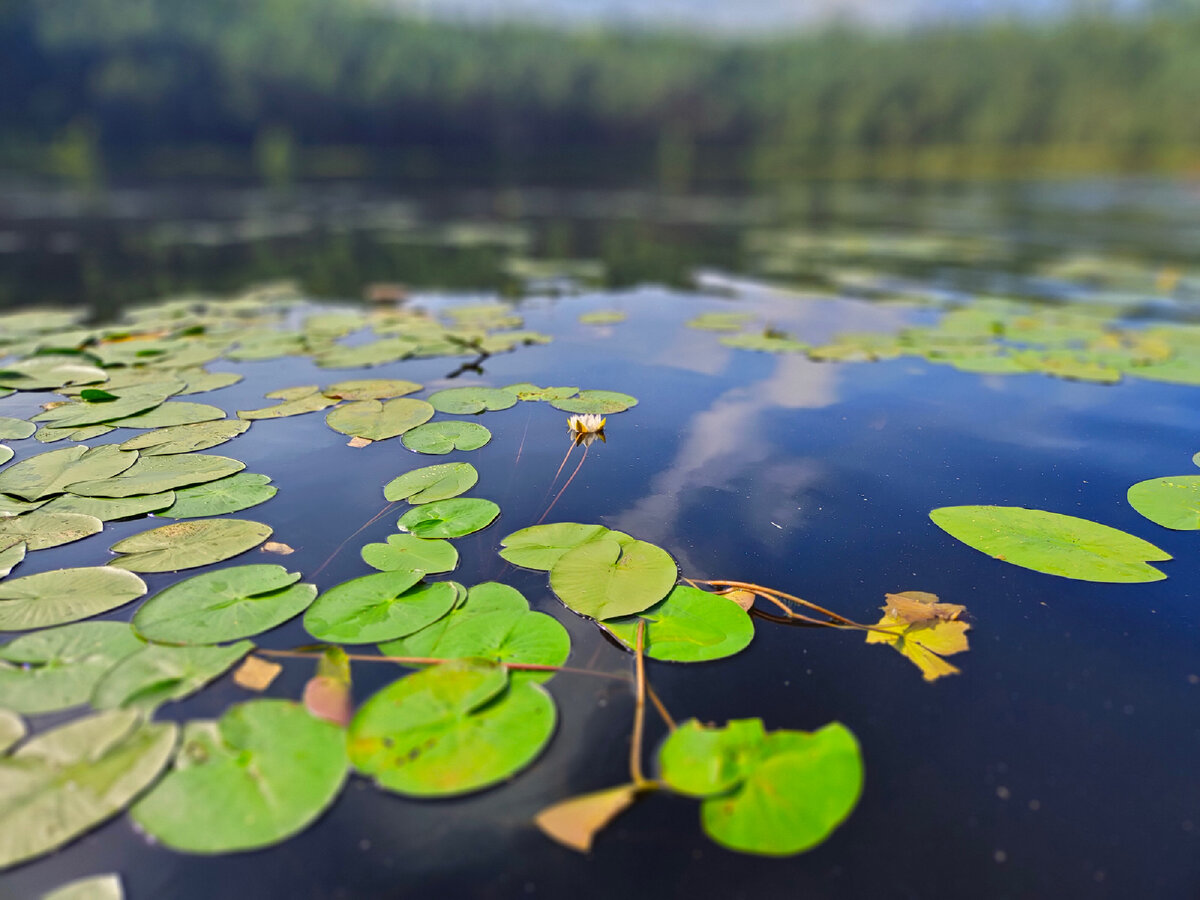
(639, 709)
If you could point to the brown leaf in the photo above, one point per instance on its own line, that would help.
(328, 698)
(576, 822)
(359, 442)
(920, 606)
(744, 599)
(256, 673)
(923, 630)
(276, 547)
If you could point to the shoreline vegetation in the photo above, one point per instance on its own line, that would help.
(276, 92)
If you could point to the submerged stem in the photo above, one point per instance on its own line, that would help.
(639, 710)
(371, 521)
(565, 486)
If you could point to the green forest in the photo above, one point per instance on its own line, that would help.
(277, 90)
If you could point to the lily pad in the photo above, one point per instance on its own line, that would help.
(494, 622)
(603, 317)
(107, 509)
(689, 625)
(378, 607)
(605, 579)
(260, 774)
(450, 729)
(224, 605)
(540, 546)
(225, 495)
(155, 675)
(15, 429)
(1052, 543)
(201, 382)
(376, 420)
(432, 483)
(48, 435)
(409, 553)
(64, 595)
(155, 474)
(526, 391)
(1172, 502)
(39, 530)
(442, 437)
(59, 667)
(6, 453)
(48, 373)
(775, 794)
(172, 414)
(185, 545)
(371, 389)
(312, 401)
(95, 887)
(49, 473)
(186, 438)
(449, 518)
(63, 782)
(597, 402)
(469, 400)
(10, 557)
(130, 402)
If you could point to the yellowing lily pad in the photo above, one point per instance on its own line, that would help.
(185, 545)
(596, 402)
(155, 474)
(49, 473)
(65, 595)
(39, 530)
(186, 438)
(224, 495)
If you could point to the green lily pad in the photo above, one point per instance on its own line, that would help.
(107, 509)
(186, 438)
(1172, 502)
(96, 887)
(39, 530)
(540, 546)
(171, 414)
(377, 421)
(292, 405)
(527, 391)
(185, 545)
(450, 729)
(603, 317)
(224, 605)
(225, 495)
(49, 473)
(494, 622)
(155, 474)
(12, 729)
(442, 437)
(48, 373)
(371, 389)
(48, 435)
(449, 518)
(15, 429)
(65, 595)
(6, 453)
(605, 579)
(689, 625)
(156, 674)
(378, 607)
(84, 412)
(719, 321)
(10, 557)
(409, 553)
(597, 402)
(774, 794)
(470, 400)
(201, 382)
(61, 783)
(1052, 543)
(432, 483)
(260, 774)
(767, 343)
(59, 667)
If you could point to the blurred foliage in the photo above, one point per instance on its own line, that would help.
(283, 89)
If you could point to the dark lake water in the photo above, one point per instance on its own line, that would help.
(1059, 763)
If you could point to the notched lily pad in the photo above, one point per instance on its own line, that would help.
(467, 401)
(157, 674)
(689, 625)
(605, 579)
(596, 402)
(371, 389)
(185, 545)
(378, 607)
(449, 518)
(186, 438)
(377, 421)
(155, 474)
(540, 546)
(224, 495)
(432, 483)
(58, 668)
(442, 437)
(65, 595)
(409, 553)
(1172, 502)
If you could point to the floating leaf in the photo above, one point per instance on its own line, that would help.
(469, 400)
(108, 508)
(225, 495)
(173, 414)
(377, 421)
(604, 579)
(540, 546)
(155, 474)
(358, 442)
(450, 729)
(260, 774)
(97, 887)
(371, 389)
(10, 557)
(39, 530)
(689, 625)
(596, 402)
(11, 506)
(49, 473)
(449, 518)
(131, 402)
(378, 607)
(767, 342)
(575, 822)
(12, 729)
(1172, 502)
(494, 622)
(63, 782)
(47, 435)
(923, 630)
(719, 321)
(1052, 543)
(186, 545)
(256, 673)
(58, 668)
(201, 382)
(277, 547)
(775, 794)
(432, 483)
(409, 553)
(224, 605)
(293, 406)
(155, 675)
(528, 391)
(64, 595)
(442, 437)
(48, 373)
(15, 429)
(603, 317)
(6, 453)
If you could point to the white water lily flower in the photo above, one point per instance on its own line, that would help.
(589, 423)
